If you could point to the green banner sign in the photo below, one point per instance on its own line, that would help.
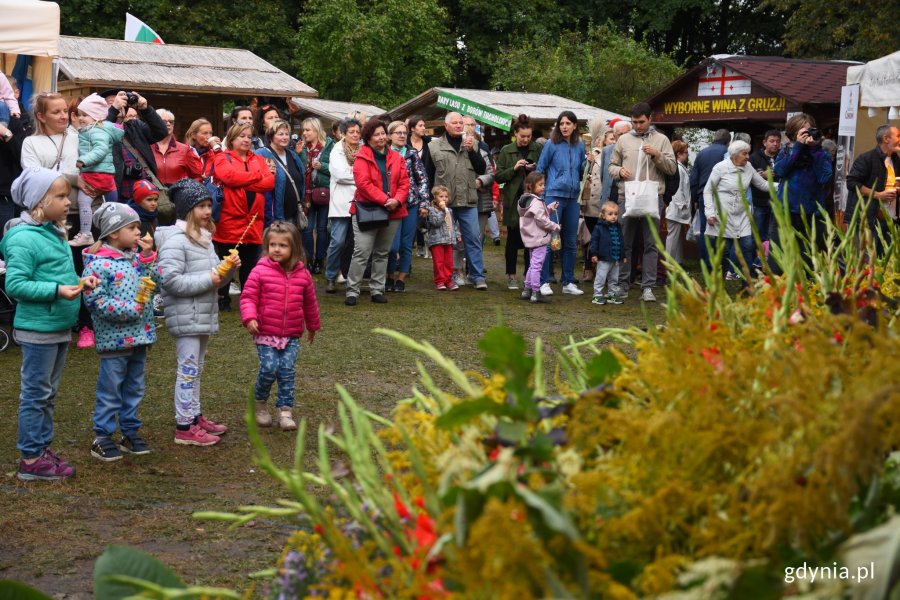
(479, 112)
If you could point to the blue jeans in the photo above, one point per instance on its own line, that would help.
(468, 227)
(337, 234)
(281, 365)
(566, 215)
(120, 389)
(747, 248)
(403, 243)
(4, 114)
(318, 223)
(764, 219)
(701, 240)
(42, 367)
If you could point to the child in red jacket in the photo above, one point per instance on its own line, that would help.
(277, 303)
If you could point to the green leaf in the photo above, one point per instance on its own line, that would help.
(602, 368)
(512, 431)
(505, 354)
(467, 410)
(552, 517)
(122, 560)
(541, 448)
(13, 590)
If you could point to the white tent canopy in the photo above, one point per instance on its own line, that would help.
(29, 27)
(879, 81)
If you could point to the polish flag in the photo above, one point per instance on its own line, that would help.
(137, 31)
(722, 81)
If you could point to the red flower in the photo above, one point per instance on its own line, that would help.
(318, 529)
(402, 511)
(419, 501)
(713, 326)
(713, 356)
(494, 454)
(424, 532)
(837, 337)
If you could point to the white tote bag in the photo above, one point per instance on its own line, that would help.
(642, 195)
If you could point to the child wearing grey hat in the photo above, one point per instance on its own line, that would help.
(41, 277)
(120, 306)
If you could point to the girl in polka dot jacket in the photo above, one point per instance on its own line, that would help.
(123, 327)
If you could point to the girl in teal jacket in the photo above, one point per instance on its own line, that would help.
(41, 277)
(96, 138)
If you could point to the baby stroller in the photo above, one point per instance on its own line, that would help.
(7, 311)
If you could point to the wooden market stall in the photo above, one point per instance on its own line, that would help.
(191, 81)
(751, 93)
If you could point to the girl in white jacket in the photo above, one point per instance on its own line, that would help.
(187, 271)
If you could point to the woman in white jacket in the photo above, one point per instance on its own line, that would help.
(730, 180)
(678, 213)
(343, 188)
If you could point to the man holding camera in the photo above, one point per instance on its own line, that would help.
(134, 156)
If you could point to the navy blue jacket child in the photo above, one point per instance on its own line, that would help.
(606, 241)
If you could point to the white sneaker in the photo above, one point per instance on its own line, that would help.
(546, 290)
(571, 288)
(511, 283)
(286, 419)
(459, 280)
(263, 418)
(647, 295)
(340, 279)
(234, 289)
(81, 239)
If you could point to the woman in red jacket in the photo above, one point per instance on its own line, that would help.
(245, 178)
(174, 160)
(381, 178)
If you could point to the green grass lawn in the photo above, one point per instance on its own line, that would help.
(53, 532)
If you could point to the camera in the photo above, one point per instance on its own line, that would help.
(133, 172)
(814, 133)
(131, 98)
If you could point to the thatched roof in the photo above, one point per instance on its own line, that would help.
(334, 110)
(539, 107)
(169, 67)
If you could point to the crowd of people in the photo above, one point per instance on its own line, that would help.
(121, 222)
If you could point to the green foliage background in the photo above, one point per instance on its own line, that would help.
(386, 51)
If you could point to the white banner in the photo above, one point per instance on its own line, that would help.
(849, 110)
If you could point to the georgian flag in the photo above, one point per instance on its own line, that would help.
(137, 31)
(722, 81)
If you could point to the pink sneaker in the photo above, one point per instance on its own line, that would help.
(86, 338)
(441, 287)
(210, 427)
(48, 467)
(195, 436)
(452, 287)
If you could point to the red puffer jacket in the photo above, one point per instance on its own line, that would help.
(369, 187)
(238, 178)
(179, 161)
(283, 304)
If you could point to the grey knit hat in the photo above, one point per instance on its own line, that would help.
(186, 194)
(32, 185)
(113, 216)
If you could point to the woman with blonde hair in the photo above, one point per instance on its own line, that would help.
(199, 136)
(314, 149)
(246, 177)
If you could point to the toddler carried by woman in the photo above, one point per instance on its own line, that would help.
(96, 137)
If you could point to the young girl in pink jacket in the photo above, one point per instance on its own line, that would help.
(278, 302)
